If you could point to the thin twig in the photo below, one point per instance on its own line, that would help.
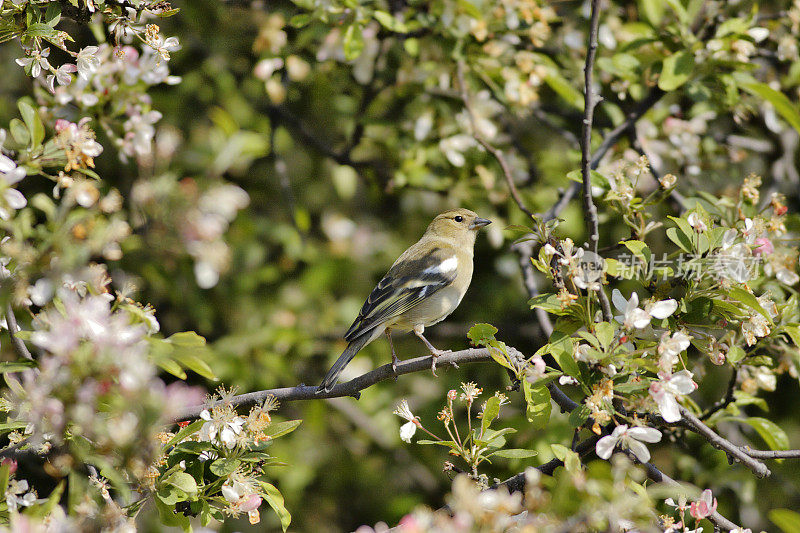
(349, 388)
(771, 454)
(695, 424)
(13, 328)
(591, 99)
(724, 402)
(496, 152)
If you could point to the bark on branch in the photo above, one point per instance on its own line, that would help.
(349, 388)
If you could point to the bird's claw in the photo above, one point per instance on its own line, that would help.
(435, 354)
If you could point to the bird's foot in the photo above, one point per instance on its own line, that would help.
(395, 360)
(435, 354)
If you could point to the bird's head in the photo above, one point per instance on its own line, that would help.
(458, 224)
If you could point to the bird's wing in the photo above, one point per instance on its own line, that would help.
(408, 282)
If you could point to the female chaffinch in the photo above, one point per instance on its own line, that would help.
(424, 285)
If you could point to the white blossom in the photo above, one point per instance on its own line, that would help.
(667, 388)
(630, 438)
(670, 347)
(632, 316)
(87, 61)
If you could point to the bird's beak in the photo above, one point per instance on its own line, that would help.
(479, 223)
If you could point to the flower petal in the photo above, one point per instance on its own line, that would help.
(619, 301)
(639, 450)
(664, 308)
(645, 434)
(605, 446)
(407, 431)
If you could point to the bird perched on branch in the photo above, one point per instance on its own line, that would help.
(424, 285)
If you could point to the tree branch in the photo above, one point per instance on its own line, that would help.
(349, 388)
(695, 424)
(516, 483)
(590, 101)
(660, 477)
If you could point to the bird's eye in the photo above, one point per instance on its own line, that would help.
(459, 218)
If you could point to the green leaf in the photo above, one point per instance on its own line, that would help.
(564, 89)
(549, 302)
(680, 11)
(353, 41)
(194, 363)
(780, 101)
(16, 366)
(5, 427)
(749, 300)
(188, 339)
(446, 443)
(653, 10)
(572, 461)
(676, 70)
(390, 22)
(5, 473)
(679, 238)
(172, 367)
(631, 386)
(562, 350)
(735, 354)
(639, 249)
(19, 132)
(515, 453)
(538, 400)
(183, 482)
(298, 21)
(788, 521)
(168, 13)
(275, 500)
(280, 429)
(225, 466)
(598, 180)
(41, 30)
(33, 122)
(490, 412)
(579, 415)
(773, 434)
(793, 330)
(605, 334)
(52, 14)
(194, 447)
(481, 334)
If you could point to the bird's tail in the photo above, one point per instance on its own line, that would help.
(348, 354)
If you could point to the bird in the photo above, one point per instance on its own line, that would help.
(424, 285)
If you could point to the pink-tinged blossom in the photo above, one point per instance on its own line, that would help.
(763, 246)
(630, 438)
(697, 223)
(63, 76)
(665, 390)
(78, 142)
(704, 507)
(535, 371)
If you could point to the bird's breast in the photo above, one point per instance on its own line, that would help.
(438, 306)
